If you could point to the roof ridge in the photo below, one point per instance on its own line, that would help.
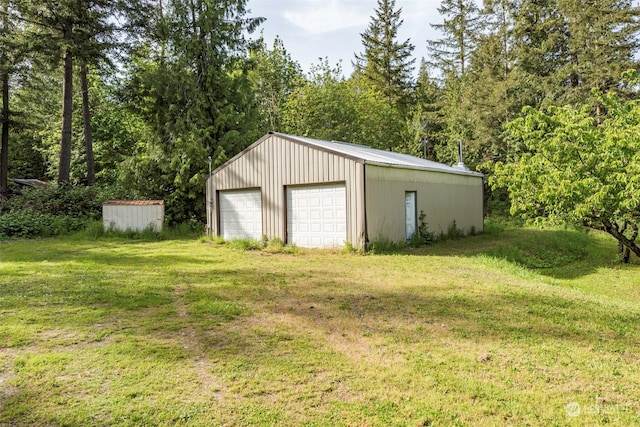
(373, 155)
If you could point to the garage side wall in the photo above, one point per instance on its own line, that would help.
(272, 164)
(442, 196)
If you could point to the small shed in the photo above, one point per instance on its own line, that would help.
(133, 215)
(316, 193)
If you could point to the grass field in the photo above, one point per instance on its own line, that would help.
(517, 327)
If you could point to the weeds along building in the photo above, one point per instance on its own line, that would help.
(317, 193)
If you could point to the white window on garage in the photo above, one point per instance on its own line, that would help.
(317, 215)
(240, 214)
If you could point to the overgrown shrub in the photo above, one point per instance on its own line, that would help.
(32, 223)
(52, 210)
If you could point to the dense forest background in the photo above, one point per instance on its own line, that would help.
(136, 96)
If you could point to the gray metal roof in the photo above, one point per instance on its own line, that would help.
(380, 157)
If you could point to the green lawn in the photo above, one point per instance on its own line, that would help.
(520, 327)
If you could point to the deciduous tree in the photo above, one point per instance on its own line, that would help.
(274, 76)
(331, 107)
(578, 169)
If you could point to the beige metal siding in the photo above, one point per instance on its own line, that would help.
(130, 215)
(273, 163)
(442, 196)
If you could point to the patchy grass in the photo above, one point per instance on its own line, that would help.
(513, 327)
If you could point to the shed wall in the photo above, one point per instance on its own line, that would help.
(442, 196)
(133, 217)
(272, 164)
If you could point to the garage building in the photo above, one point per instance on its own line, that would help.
(316, 193)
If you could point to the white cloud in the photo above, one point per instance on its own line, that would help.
(324, 16)
(312, 29)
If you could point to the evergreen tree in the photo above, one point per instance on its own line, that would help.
(425, 119)
(601, 38)
(540, 42)
(80, 29)
(497, 19)
(386, 63)
(451, 56)
(189, 81)
(460, 29)
(498, 88)
(7, 32)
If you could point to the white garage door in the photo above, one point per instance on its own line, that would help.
(241, 214)
(317, 215)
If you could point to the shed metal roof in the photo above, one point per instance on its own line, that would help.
(379, 157)
(133, 202)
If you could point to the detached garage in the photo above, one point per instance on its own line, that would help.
(322, 194)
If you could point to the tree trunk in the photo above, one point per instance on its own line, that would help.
(64, 170)
(624, 253)
(86, 118)
(625, 244)
(4, 150)
(4, 147)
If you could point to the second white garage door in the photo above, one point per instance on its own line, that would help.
(240, 214)
(317, 215)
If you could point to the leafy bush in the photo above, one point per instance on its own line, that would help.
(32, 223)
(53, 210)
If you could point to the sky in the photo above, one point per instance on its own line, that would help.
(313, 29)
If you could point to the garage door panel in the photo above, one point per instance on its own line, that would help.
(240, 214)
(316, 215)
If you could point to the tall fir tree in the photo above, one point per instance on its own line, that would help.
(425, 118)
(74, 30)
(601, 42)
(451, 55)
(189, 81)
(498, 89)
(460, 29)
(386, 63)
(7, 33)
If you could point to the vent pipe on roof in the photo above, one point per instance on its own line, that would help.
(426, 148)
(460, 164)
